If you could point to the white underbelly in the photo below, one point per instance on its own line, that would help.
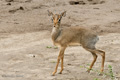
(74, 44)
(70, 44)
(57, 44)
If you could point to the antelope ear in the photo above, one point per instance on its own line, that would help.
(63, 14)
(49, 13)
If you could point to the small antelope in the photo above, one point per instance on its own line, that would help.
(73, 36)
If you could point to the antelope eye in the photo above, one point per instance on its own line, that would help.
(52, 19)
(59, 20)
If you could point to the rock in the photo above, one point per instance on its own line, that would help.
(8, 3)
(21, 8)
(9, 0)
(77, 2)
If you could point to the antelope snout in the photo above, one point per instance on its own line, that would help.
(55, 24)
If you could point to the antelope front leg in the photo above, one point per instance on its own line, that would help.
(61, 64)
(61, 55)
(58, 60)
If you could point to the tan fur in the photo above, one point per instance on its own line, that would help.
(74, 36)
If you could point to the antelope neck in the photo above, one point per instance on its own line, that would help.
(55, 33)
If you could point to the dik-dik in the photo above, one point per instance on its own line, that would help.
(73, 36)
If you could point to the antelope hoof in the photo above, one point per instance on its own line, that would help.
(100, 74)
(60, 72)
(88, 70)
(53, 74)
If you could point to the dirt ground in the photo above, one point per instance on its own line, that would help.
(26, 49)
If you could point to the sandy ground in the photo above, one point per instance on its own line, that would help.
(25, 34)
